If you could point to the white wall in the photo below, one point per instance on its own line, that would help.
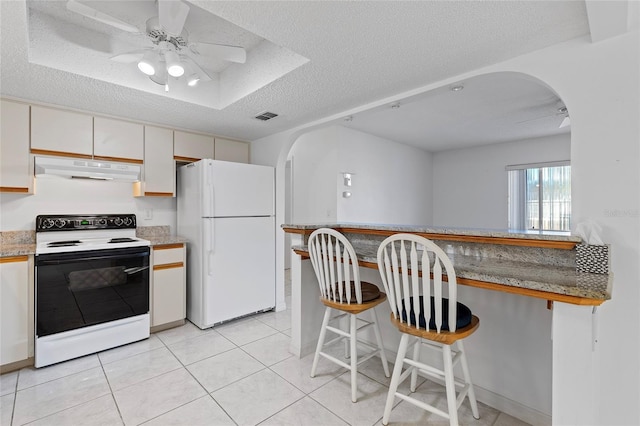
(599, 84)
(391, 182)
(470, 185)
(314, 160)
(76, 196)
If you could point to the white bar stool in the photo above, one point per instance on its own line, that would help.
(418, 309)
(336, 266)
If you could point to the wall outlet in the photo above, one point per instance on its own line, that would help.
(148, 214)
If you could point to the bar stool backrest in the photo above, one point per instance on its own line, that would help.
(400, 258)
(336, 266)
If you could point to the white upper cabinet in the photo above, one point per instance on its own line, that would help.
(230, 150)
(192, 146)
(59, 132)
(15, 174)
(159, 166)
(118, 140)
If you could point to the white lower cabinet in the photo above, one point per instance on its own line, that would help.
(168, 286)
(16, 309)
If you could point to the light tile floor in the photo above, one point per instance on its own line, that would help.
(240, 373)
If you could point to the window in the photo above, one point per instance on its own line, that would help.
(540, 196)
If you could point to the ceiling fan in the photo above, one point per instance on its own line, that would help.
(171, 53)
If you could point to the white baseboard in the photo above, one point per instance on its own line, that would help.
(512, 408)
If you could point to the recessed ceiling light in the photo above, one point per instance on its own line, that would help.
(457, 88)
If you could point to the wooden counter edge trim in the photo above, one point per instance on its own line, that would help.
(60, 153)
(10, 259)
(521, 242)
(168, 266)
(168, 246)
(545, 295)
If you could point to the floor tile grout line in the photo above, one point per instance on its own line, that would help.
(52, 365)
(64, 409)
(113, 397)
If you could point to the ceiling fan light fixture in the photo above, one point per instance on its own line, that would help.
(174, 66)
(147, 64)
(193, 80)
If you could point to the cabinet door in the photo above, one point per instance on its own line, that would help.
(116, 140)
(15, 174)
(192, 146)
(168, 296)
(159, 165)
(58, 132)
(168, 291)
(14, 309)
(229, 150)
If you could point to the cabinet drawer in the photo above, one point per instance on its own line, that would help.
(163, 255)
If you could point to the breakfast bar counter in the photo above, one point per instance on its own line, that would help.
(546, 289)
(530, 263)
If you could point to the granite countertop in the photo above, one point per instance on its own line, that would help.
(159, 235)
(20, 243)
(553, 279)
(17, 243)
(428, 229)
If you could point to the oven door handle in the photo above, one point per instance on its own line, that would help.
(135, 270)
(73, 257)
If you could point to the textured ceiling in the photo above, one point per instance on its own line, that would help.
(358, 52)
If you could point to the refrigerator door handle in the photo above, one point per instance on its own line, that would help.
(208, 190)
(209, 238)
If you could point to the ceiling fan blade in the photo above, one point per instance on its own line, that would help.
(96, 15)
(172, 15)
(220, 51)
(129, 57)
(204, 76)
(535, 119)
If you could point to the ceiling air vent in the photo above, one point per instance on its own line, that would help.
(264, 116)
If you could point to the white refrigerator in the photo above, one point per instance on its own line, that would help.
(226, 211)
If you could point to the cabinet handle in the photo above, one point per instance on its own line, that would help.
(11, 259)
(168, 266)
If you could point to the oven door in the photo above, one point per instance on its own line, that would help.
(80, 289)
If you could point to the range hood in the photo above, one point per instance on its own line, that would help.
(86, 169)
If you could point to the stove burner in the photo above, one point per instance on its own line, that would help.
(63, 243)
(121, 240)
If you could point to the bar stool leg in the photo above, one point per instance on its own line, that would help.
(323, 334)
(416, 357)
(450, 385)
(354, 358)
(376, 329)
(467, 378)
(395, 378)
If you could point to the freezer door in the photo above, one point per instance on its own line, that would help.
(241, 189)
(240, 270)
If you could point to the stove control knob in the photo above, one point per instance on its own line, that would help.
(127, 221)
(47, 223)
(102, 222)
(118, 221)
(60, 223)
